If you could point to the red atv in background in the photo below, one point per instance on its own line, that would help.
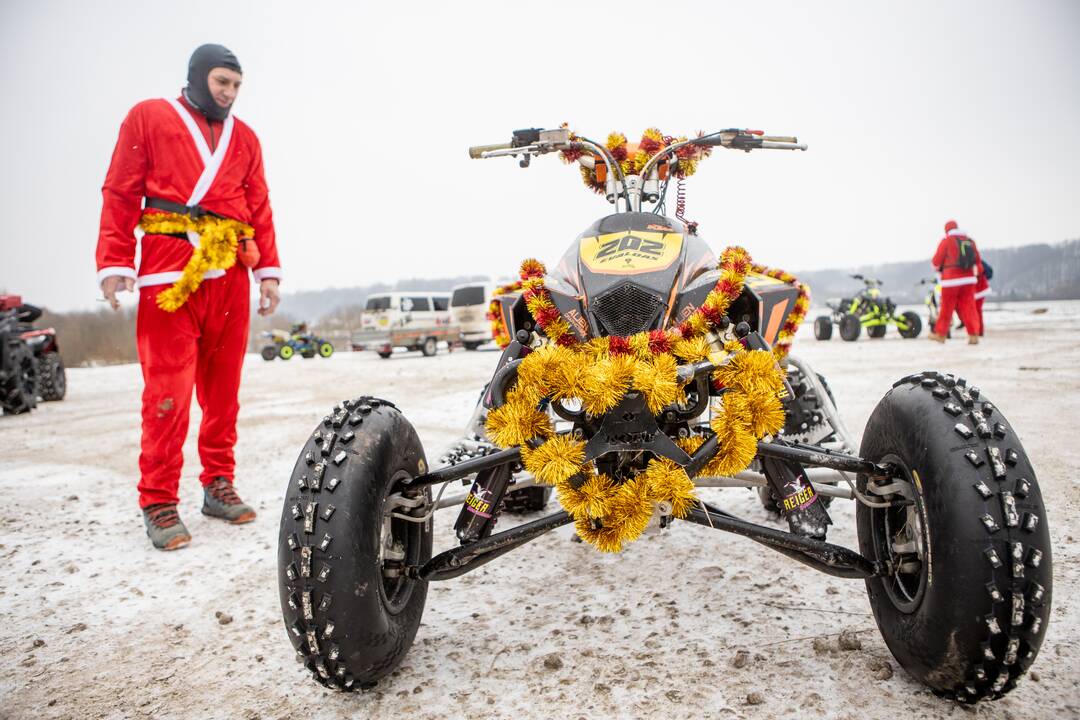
(30, 364)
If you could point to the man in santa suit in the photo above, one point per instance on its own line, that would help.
(191, 176)
(957, 260)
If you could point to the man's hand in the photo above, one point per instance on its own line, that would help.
(268, 296)
(114, 284)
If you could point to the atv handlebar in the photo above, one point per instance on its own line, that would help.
(645, 186)
(476, 152)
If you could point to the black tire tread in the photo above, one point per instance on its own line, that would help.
(1019, 589)
(313, 616)
(52, 380)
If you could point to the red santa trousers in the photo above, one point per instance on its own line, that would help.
(201, 344)
(960, 298)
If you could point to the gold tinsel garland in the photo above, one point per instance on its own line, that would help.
(599, 372)
(632, 159)
(218, 238)
(794, 319)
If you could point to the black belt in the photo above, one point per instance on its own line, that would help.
(192, 211)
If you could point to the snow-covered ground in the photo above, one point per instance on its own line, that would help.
(95, 623)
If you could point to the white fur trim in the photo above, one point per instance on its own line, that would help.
(983, 293)
(958, 281)
(956, 231)
(211, 161)
(118, 270)
(167, 278)
(266, 273)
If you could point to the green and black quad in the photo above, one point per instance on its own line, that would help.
(869, 309)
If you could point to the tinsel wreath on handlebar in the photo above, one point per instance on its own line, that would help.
(632, 159)
(600, 371)
(218, 238)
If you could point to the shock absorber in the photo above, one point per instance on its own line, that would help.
(478, 514)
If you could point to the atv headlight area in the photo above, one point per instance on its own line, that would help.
(626, 309)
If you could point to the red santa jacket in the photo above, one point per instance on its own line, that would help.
(162, 152)
(948, 254)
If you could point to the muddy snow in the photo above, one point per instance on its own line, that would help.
(688, 623)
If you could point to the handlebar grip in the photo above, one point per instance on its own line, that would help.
(771, 145)
(476, 151)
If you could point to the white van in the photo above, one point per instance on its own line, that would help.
(468, 310)
(416, 320)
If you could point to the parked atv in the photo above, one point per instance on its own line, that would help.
(644, 367)
(297, 341)
(30, 364)
(868, 309)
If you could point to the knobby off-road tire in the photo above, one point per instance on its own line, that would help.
(823, 327)
(351, 625)
(876, 331)
(914, 323)
(326, 349)
(850, 327)
(285, 352)
(52, 379)
(972, 617)
(269, 352)
(18, 394)
(526, 500)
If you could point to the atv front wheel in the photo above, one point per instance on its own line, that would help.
(966, 608)
(876, 331)
(326, 349)
(18, 392)
(914, 324)
(823, 327)
(269, 352)
(343, 548)
(285, 352)
(52, 379)
(850, 327)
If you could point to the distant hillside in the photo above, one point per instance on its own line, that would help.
(1030, 272)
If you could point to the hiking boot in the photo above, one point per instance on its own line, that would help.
(221, 501)
(164, 527)
(936, 338)
(973, 339)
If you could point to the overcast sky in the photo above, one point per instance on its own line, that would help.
(914, 112)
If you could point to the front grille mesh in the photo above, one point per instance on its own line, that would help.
(626, 310)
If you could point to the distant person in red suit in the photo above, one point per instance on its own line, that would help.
(957, 260)
(190, 175)
(982, 290)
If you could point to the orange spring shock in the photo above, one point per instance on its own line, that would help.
(680, 205)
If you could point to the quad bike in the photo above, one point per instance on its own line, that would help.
(637, 371)
(867, 309)
(30, 364)
(297, 341)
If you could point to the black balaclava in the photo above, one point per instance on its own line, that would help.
(203, 60)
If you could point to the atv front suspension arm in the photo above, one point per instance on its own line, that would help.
(819, 457)
(818, 554)
(467, 467)
(460, 560)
